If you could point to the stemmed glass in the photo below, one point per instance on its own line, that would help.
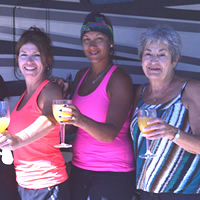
(143, 116)
(57, 105)
(7, 157)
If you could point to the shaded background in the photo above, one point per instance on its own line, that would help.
(62, 20)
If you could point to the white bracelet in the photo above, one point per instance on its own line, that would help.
(177, 135)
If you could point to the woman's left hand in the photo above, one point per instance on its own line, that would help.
(63, 84)
(159, 129)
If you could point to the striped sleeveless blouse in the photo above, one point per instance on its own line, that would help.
(173, 170)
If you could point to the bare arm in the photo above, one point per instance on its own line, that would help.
(191, 143)
(41, 126)
(120, 92)
(191, 99)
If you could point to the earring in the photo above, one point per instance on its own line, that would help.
(111, 46)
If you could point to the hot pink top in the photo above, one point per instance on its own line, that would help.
(38, 165)
(92, 154)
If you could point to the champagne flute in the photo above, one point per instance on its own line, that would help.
(143, 116)
(7, 157)
(57, 105)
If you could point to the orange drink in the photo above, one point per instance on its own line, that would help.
(143, 116)
(142, 123)
(4, 122)
(57, 113)
(58, 105)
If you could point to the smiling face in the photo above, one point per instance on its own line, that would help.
(96, 46)
(29, 61)
(157, 61)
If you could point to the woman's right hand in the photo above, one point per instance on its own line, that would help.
(7, 141)
(159, 129)
(72, 114)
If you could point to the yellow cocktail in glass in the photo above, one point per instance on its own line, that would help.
(57, 113)
(142, 123)
(7, 157)
(4, 122)
(57, 106)
(143, 116)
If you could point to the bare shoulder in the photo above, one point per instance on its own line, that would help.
(51, 91)
(121, 77)
(120, 84)
(80, 73)
(191, 93)
(192, 88)
(77, 79)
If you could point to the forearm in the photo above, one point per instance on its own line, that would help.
(190, 143)
(35, 131)
(104, 132)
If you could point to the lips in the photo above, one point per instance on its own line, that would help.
(154, 68)
(94, 53)
(29, 68)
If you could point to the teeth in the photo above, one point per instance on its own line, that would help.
(29, 68)
(93, 53)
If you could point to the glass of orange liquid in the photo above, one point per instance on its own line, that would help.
(143, 116)
(57, 105)
(7, 157)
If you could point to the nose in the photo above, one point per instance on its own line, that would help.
(92, 43)
(154, 59)
(30, 59)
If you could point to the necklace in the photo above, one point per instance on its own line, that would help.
(99, 76)
(156, 98)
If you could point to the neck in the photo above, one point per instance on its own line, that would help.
(99, 75)
(32, 85)
(160, 85)
(156, 88)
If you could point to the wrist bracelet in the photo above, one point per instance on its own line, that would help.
(177, 135)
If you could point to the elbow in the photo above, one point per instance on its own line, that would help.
(52, 124)
(111, 137)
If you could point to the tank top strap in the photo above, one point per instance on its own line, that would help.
(108, 75)
(41, 86)
(35, 94)
(143, 89)
(183, 87)
(80, 82)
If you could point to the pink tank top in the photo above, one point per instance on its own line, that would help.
(37, 165)
(92, 154)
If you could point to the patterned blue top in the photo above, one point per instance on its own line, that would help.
(174, 169)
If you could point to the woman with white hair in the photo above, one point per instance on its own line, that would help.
(174, 135)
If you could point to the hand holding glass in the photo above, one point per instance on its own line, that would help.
(57, 106)
(143, 116)
(7, 157)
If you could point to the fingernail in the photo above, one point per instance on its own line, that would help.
(59, 116)
(64, 105)
(60, 110)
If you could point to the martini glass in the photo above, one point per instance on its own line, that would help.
(143, 116)
(7, 157)
(57, 105)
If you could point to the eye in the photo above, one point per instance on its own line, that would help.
(147, 54)
(85, 40)
(22, 54)
(99, 39)
(36, 55)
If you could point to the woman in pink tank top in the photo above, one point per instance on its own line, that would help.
(40, 167)
(103, 162)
